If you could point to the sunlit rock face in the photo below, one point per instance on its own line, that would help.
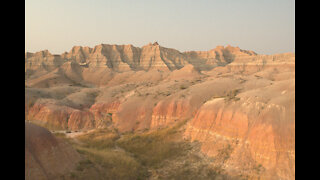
(260, 127)
(240, 105)
(123, 58)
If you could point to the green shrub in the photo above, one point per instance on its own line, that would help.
(231, 95)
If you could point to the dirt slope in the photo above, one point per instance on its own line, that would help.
(47, 157)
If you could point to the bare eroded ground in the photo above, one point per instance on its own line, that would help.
(237, 107)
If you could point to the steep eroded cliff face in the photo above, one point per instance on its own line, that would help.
(253, 134)
(122, 58)
(238, 105)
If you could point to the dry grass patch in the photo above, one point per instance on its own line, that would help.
(115, 164)
(152, 148)
(231, 95)
(99, 139)
(59, 134)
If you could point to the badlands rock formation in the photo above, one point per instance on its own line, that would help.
(238, 104)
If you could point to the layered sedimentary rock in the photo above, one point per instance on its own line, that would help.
(123, 58)
(260, 127)
(238, 104)
(206, 60)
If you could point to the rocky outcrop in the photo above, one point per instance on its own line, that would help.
(220, 56)
(238, 104)
(57, 117)
(254, 135)
(121, 58)
(50, 116)
(168, 112)
(42, 60)
(81, 120)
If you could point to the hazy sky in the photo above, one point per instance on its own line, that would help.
(264, 26)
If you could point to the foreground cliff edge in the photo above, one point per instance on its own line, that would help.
(239, 106)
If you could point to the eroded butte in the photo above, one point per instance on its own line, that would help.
(238, 104)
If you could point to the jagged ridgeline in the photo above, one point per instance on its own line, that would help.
(237, 104)
(127, 57)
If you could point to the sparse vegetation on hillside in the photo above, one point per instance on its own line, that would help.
(231, 95)
(115, 164)
(99, 139)
(100, 149)
(183, 87)
(224, 153)
(136, 155)
(152, 148)
(59, 134)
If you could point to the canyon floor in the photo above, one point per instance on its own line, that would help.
(126, 112)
